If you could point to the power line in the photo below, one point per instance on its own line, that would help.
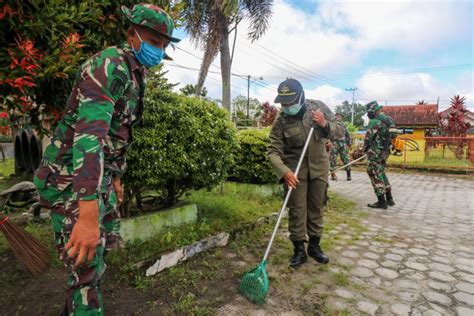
(286, 70)
(352, 106)
(428, 69)
(196, 56)
(405, 100)
(301, 69)
(209, 72)
(363, 95)
(197, 69)
(266, 85)
(320, 78)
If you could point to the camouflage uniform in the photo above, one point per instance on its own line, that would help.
(87, 150)
(377, 146)
(341, 148)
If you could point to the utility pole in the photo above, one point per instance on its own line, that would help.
(352, 108)
(248, 97)
(248, 93)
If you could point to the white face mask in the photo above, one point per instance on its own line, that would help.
(295, 108)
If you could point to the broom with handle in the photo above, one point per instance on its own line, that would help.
(28, 251)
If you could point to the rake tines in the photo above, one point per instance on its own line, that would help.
(254, 284)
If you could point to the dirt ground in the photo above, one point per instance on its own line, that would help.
(349, 285)
(206, 285)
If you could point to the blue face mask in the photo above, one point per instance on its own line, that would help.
(293, 109)
(148, 55)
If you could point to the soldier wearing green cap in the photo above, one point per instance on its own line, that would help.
(341, 148)
(378, 138)
(287, 138)
(79, 176)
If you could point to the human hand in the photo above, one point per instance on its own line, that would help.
(291, 180)
(85, 234)
(329, 146)
(118, 189)
(318, 118)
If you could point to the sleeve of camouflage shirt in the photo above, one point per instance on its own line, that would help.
(101, 84)
(333, 131)
(275, 150)
(118, 166)
(347, 136)
(370, 133)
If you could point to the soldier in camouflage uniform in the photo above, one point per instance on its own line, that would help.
(341, 147)
(79, 176)
(377, 146)
(287, 139)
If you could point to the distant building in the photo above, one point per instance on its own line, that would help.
(416, 121)
(469, 117)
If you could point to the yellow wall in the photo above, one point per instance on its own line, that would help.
(418, 133)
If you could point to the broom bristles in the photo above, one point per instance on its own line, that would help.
(28, 251)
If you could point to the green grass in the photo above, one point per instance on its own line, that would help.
(434, 158)
(217, 212)
(338, 211)
(382, 239)
(42, 232)
(340, 279)
(185, 303)
(7, 167)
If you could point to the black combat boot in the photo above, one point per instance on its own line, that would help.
(390, 201)
(381, 203)
(349, 178)
(299, 257)
(314, 250)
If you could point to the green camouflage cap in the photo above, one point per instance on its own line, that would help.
(151, 16)
(372, 106)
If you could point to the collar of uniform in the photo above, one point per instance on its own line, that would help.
(134, 63)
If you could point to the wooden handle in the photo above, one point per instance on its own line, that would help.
(4, 220)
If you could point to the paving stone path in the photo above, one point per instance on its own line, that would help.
(418, 254)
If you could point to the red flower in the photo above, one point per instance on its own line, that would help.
(6, 10)
(21, 82)
(3, 115)
(29, 67)
(72, 40)
(25, 103)
(14, 63)
(27, 47)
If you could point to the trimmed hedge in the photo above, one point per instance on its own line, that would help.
(184, 143)
(251, 162)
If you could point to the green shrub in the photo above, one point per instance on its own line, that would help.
(251, 161)
(43, 42)
(184, 143)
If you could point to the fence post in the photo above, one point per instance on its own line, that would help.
(471, 151)
(404, 155)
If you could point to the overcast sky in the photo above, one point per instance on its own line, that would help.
(396, 52)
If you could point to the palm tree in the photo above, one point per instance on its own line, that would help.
(210, 22)
(190, 89)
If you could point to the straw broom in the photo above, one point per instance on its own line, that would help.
(28, 251)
